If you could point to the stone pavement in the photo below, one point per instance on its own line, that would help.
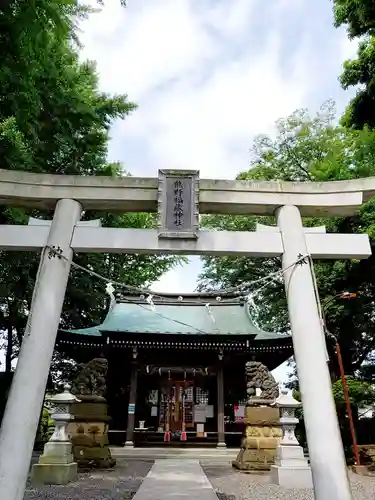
(175, 480)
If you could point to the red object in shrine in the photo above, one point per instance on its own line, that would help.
(348, 295)
(183, 436)
(167, 436)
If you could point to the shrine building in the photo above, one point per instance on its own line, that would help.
(176, 367)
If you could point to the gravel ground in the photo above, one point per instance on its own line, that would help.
(121, 483)
(230, 484)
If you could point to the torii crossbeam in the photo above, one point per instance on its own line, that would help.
(178, 197)
(89, 237)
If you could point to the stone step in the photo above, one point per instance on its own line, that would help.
(211, 455)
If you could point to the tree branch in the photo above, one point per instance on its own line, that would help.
(291, 152)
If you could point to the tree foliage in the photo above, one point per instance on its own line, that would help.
(359, 18)
(361, 393)
(54, 119)
(310, 148)
(361, 397)
(358, 15)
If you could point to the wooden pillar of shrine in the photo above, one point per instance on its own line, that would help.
(220, 402)
(132, 401)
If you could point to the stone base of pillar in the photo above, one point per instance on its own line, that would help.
(291, 469)
(129, 444)
(221, 445)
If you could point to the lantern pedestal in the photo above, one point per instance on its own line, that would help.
(291, 468)
(48, 473)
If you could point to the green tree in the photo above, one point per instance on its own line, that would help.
(361, 393)
(54, 119)
(361, 396)
(359, 18)
(310, 148)
(358, 15)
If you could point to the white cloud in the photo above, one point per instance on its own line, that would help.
(207, 75)
(157, 42)
(348, 48)
(203, 88)
(209, 125)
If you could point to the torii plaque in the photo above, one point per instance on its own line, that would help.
(178, 204)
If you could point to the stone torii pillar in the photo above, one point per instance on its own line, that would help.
(26, 396)
(326, 452)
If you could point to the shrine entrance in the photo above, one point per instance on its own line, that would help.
(181, 399)
(185, 408)
(180, 405)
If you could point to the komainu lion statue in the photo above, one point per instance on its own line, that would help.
(259, 377)
(91, 380)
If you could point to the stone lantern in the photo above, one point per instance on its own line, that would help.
(291, 468)
(56, 464)
(288, 406)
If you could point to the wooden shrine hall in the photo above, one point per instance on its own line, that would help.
(176, 366)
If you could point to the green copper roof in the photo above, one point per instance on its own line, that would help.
(175, 318)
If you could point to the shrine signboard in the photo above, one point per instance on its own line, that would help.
(178, 204)
(200, 414)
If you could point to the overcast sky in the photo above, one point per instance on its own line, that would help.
(207, 76)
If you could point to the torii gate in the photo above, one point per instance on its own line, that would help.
(178, 197)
